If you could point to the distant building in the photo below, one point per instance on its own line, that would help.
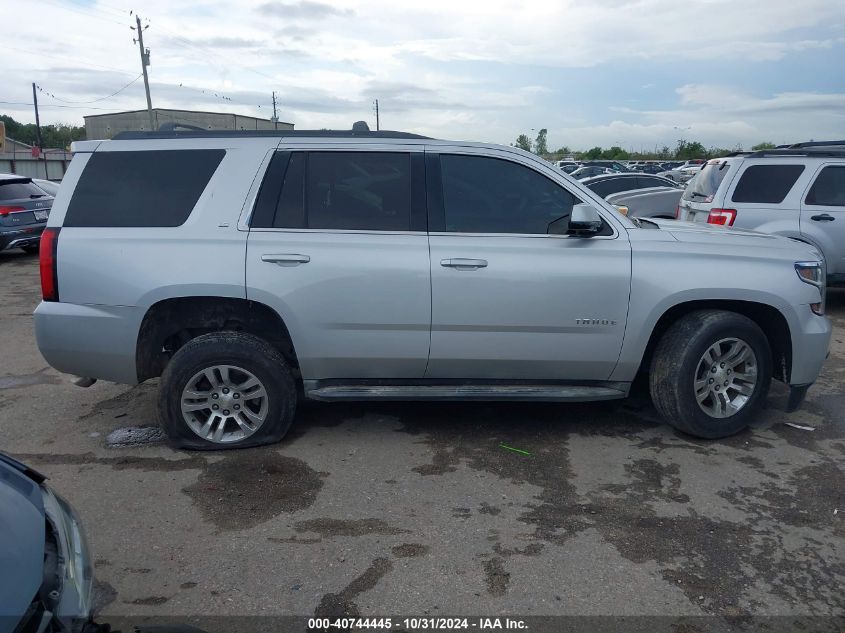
(103, 126)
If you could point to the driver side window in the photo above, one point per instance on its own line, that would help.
(491, 195)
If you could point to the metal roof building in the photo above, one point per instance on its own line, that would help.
(104, 126)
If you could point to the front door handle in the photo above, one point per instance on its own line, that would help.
(286, 259)
(461, 263)
(824, 217)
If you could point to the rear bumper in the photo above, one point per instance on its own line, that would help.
(87, 340)
(28, 235)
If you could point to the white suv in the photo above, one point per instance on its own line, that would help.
(797, 192)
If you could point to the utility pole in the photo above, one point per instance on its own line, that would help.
(37, 120)
(375, 107)
(275, 118)
(145, 61)
(38, 138)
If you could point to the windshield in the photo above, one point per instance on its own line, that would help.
(706, 183)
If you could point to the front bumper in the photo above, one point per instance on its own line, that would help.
(28, 235)
(810, 346)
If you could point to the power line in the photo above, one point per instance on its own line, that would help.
(56, 105)
(85, 12)
(116, 92)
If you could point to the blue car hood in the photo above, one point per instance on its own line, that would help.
(22, 525)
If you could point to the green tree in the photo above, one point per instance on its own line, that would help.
(57, 135)
(540, 145)
(593, 153)
(763, 145)
(564, 151)
(523, 142)
(615, 153)
(689, 149)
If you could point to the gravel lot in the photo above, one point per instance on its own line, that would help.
(417, 509)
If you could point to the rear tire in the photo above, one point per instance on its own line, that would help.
(226, 390)
(710, 372)
(32, 250)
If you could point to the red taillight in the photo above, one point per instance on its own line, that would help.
(722, 217)
(678, 212)
(8, 210)
(49, 273)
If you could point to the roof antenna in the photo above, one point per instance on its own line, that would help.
(360, 126)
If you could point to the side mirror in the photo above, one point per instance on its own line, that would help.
(584, 221)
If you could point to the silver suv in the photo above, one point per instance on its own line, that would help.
(247, 270)
(797, 192)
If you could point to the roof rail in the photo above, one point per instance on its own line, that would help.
(813, 144)
(169, 134)
(810, 151)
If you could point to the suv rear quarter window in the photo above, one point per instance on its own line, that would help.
(155, 188)
(766, 184)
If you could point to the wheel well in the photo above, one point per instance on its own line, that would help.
(770, 320)
(171, 323)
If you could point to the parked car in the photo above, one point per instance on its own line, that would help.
(588, 172)
(612, 165)
(46, 572)
(652, 168)
(568, 169)
(797, 193)
(606, 184)
(681, 175)
(653, 202)
(49, 187)
(24, 209)
(643, 195)
(247, 268)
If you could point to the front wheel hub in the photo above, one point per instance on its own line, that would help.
(725, 377)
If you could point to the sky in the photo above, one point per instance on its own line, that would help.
(635, 73)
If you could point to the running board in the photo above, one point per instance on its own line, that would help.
(547, 393)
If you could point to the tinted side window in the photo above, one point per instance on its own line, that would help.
(644, 181)
(829, 188)
(290, 213)
(766, 183)
(612, 185)
(141, 189)
(489, 195)
(358, 190)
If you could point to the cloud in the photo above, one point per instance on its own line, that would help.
(477, 70)
(302, 10)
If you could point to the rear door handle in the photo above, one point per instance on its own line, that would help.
(461, 263)
(824, 217)
(286, 259)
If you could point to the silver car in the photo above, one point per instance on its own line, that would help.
(245, 268)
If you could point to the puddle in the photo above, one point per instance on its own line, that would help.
(249, 487)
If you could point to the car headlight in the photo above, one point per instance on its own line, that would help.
(813, 273)
(73, 591)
